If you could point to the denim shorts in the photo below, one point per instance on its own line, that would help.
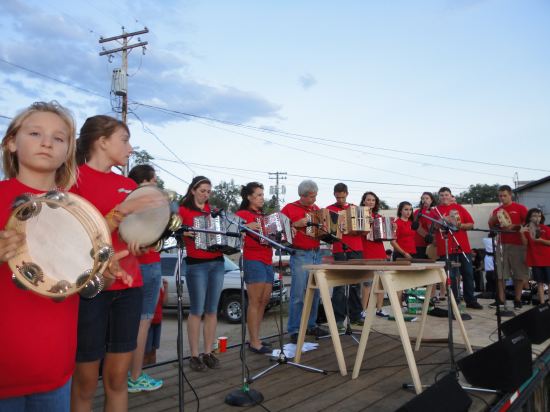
(108, 323)
(257, 272)
(57, 400)
(205, 284)
(152, 279)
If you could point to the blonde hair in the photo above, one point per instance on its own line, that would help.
(65, 175)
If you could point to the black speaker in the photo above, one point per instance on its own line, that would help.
(503, 365)
(445, 391)
(535, 322)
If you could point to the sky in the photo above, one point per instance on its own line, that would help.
(395, 97)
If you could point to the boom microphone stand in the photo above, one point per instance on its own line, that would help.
(246, 396)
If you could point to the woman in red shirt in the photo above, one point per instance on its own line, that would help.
(107, 324)
(373, 249)
(538, 249)
(257, 265)
(404, 245)
(204, 276)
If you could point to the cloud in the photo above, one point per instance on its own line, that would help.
(307, 81)
(56, 46)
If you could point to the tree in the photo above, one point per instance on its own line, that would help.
(383, 205)
(271, 205)
(479, 193)
(226, 195)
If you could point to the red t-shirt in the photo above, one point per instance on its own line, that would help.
(353, 241)
(296, 211)
(105, 191)
(151, 256)
(38, 335)
(405, 235)
(373, 249)
(157, 318)
(253, 249)
(424, 224)
(537, 253)
(187, 216)
(517, 213)
(461, 236)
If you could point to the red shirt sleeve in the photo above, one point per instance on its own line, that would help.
(253, 249)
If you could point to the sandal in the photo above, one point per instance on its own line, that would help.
(262, 351)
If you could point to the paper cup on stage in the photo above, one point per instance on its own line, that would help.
(215, 347)
(222, 344)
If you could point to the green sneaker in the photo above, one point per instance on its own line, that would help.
(341, 327)
(144, 383)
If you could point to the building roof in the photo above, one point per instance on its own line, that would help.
(532, 184)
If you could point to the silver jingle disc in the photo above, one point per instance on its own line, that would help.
(61, 287)
(31, 209)
(104, 253)
(57, 196)
(92, 286)
(32, 272)
(17, 282)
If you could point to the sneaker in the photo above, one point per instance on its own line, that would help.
(211, 361)
(474, 305)
(358, 322)
(144, 383)
(495, 304)
(382, 313)
(517, 305)
(341, 327)
(262, 351)
(317, 331)
(196, 364)
(363, 314)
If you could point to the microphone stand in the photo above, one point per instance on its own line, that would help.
(246, 396)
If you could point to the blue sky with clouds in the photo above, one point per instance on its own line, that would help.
(464, 79)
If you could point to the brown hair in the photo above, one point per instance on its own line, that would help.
(376, 207)
(93, 128)
(189, 199)
(142, 173)
(65, 175)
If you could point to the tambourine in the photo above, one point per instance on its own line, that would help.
(67, 245)
(534, 230)
(149, 227)
(503, 217)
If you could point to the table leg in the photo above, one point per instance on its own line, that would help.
(306, 310)
(369, 318)
(402, 328)
(329, 312)
(425, 308)
(458, 318)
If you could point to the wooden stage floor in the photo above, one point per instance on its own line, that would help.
(378, 388)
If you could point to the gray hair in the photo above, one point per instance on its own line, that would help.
(306, 187)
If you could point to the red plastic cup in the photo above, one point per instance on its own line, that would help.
(222, 344)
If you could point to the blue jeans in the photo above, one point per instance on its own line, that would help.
(298, 287)
(58, 400)
(205, 284)
(152, 279)
(353, 306)
(467, 272)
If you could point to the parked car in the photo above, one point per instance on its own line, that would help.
(284, 261)
(230, 306)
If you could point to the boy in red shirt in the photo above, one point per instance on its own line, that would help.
(510, 256)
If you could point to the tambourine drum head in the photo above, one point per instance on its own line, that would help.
(147, 226)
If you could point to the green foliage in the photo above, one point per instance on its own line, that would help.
(226, 195)
(383, 205)
(479, 193)
(271, 205)
(141, 157)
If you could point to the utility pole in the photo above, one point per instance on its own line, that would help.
(120, 76)
(275, 190)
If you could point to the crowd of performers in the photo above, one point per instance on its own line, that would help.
(52, 352)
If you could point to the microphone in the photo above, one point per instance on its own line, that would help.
(216, 212)
(416, 222)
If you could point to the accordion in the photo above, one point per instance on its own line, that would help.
(383, 228)
(356, 220)
(276, 227)
(325, 225)
(213, 242)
